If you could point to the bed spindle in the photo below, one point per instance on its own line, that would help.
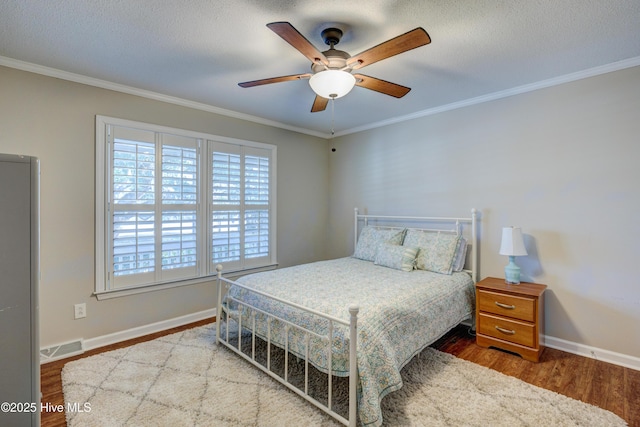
(253, 334)
(353, 365)
(306, 364)
(355, 229)
(228, 316)
(269, 343)
(219, 302)
(330, 365)
(239, 326)
(474, 246)
(286, 353)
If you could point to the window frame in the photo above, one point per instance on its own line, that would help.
(206, 268)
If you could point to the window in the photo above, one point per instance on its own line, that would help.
(171, 205)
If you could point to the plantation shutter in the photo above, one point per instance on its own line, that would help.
(240, 206)
(154, 203)
(226, 231)
(256, 200)
(179, 229)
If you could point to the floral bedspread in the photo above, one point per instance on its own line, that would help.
(400, 314)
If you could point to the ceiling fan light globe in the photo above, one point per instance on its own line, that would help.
(332, 84)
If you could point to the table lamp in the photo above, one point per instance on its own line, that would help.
(512, 246)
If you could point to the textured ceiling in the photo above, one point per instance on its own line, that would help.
(198, 50)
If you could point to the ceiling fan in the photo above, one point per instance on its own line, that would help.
(332, 74)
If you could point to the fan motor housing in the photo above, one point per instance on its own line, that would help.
(337, 60)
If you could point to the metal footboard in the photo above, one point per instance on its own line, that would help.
(225, 315)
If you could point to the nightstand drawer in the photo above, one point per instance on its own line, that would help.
(506, 329)
(507, 305)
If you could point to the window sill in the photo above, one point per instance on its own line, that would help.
(117, 293)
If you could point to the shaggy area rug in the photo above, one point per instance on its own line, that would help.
(184, 379)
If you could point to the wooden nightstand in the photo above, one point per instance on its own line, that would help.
(510, 317)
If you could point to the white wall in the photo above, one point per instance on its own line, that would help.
(54, 120)
(560, 162)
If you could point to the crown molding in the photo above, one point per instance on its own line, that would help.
(104, 84)
(579, 75)
(78, 78)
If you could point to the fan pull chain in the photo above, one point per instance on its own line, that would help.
(333, 101)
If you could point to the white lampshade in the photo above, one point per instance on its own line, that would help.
(512, 242)
(332, 83)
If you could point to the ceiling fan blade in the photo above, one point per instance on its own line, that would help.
(319, 104)
(298, 41)
(381, 86)
(274, 80)
(407, 41)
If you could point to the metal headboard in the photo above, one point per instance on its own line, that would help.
(455, 222)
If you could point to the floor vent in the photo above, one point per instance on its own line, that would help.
(61, 351)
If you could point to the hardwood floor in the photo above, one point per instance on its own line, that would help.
(608, 386)
(602, 384)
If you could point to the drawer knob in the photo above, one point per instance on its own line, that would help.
(508, 307)
(506, 331)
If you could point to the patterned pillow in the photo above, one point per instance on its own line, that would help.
(371, 237)
(437, 250)
(396, 256)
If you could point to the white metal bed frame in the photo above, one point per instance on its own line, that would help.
(224, 314)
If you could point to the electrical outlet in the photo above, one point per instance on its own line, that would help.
(79, 311)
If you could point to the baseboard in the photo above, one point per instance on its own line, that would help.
(116, 337)
(140, 331)
(620, 359)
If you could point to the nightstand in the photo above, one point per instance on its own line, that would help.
(510, 317)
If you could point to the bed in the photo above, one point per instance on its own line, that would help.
(409, 281)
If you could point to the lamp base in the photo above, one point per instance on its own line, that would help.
(512, 272)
